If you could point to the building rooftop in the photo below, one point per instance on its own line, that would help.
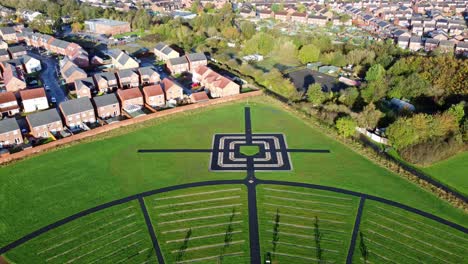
(177, 61)
(32, 93)
(75, 106)
(200, 56)
(108, 22)
(104, 100)
(43, 117)
(8, 125)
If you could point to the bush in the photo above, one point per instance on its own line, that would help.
(432, 151)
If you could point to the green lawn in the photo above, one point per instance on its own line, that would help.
(299, 225)
(389, 233)
(453, 172)
(40, 190)
(114, 235)
(203, 224)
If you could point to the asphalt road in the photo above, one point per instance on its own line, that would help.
(49, 77)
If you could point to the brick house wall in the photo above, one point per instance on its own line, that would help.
(107, 111)
(157, 100)
(11, 138)
(174, 93)
(179, 68)
(76, 120)
(43, 131)
(83, 92)
(133, 101)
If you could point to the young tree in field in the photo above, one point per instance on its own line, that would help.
(309, 53)
(369, 117)
(346, 126)
(315, 94)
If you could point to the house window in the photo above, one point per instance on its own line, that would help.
(70, 118)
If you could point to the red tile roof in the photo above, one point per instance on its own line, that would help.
(129, 94)
(7, 97)
(32, 93)
(200, 96)
(153, 90)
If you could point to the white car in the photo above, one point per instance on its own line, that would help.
(47, 88)
(53, 100)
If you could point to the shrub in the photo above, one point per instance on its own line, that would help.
(433, 150)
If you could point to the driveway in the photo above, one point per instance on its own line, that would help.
(49, 77)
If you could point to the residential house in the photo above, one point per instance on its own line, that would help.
(128, 78)
(131, 99)
(8, 104)
(106, 81)
(297, 17)
(163, 52)
(415, 43)
(148, 76)
(418, 29)
(281, 16)
(178, 65)
(13, 77)
(58, 46)
(172, 89)
(4, 55)
(77, 112)
(8, 34)
(107, 106)
(446, 46)
(154, 95)
(199, 97)
(85, 87)
(431, 44)
(122, 61)
(17, 51)
(196, 59)
(317, 20)
(265, 14)
(31, 64)
(43, 123)
(218, 85)
(71, 73)
(107, 26)
(403, 42)
(10, 133)
(34, 100)
(3, 45)
(462, 48)
(247, 13)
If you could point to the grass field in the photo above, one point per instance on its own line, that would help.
(299, 225)
(41, 190)
(203, 225)
(114, 235)
(392, 235)
(452, 172)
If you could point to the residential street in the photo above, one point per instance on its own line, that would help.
(49, 77)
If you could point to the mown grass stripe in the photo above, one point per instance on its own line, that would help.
(200, 209)
(304, 246)
(200, 227)
(301, 257)
(211, 257)
(309, 194)
(198, 201)
(115, 252)
(305, 209)
(307, 227)
(306, 201)
(390, 249)
(307, 218)
(195, 194)
(306, 236)
(210, 246)
(201, 237)
(198, 218)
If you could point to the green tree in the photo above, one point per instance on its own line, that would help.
(346, 126)
(315, 94)
(348, 96)
(309, 53)
(369, 117)
(247, 29)
(301, 8)
(458, 111)
(374, 91)
(375, 73)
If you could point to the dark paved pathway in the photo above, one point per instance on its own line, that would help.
(154, 240)
(357, 223)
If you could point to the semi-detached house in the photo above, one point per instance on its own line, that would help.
(77, 112)
(34, 100)
(10, 133)
(42, 124)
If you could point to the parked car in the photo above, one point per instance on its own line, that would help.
(47, 88)
(53, 100)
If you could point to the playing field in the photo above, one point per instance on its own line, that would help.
(46, 188)
(452, 172)
(204, 225)
(389, 234)
(114, 235)
(299, 225)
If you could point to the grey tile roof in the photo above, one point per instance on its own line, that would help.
(15, 49)
(127, 73)
(8, 125)
(71, 70)
(167, 50)
(432, 41)
(160, 46)
(60, 43)
(462, 44)
(196, 56)
(147, 70)
(107, 99)
(44, 117)
(108, 76)
(7, 30)
(86, 82)
(179, 60)
(75, 106)
(124, 58)
(3, 52)
(27, 58)
(415, 39)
